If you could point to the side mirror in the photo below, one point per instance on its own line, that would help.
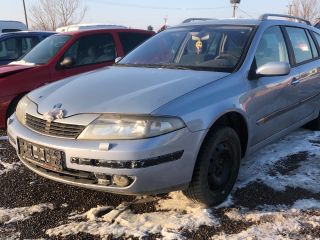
(273, 69)
(66, 62)
(118, 59)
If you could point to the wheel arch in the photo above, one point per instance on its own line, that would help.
(13, 103)
(236, 120)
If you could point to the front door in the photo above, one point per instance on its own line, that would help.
(87, 53)
(272, 99)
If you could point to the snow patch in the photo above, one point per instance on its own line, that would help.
(4, 138)
(258, 166)
(274, 222)
(173, 215)
(6, 167)
(19, 214)
(306, 204)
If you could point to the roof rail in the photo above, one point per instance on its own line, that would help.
(267, 15)
(197, 19)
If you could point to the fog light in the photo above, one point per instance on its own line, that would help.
(103, 179)
(120, 181)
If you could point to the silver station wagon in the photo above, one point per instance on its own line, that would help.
(177, 113)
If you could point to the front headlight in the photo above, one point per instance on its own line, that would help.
(22, 108)
(115, 127)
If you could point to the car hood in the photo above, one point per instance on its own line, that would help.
(126, 90)
(7, 70)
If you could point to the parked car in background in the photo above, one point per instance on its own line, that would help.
(15, 44)
(60, 56)
(83, 26)
(12, 26)
(177, 113)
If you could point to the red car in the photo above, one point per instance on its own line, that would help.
(60, 56)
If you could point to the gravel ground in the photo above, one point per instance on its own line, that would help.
(22, 188)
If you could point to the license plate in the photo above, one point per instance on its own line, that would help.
(45, 157)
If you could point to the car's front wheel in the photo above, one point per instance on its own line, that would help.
(217, 167)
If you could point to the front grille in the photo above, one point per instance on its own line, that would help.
(53, 128)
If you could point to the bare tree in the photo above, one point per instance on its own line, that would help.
(51, 14)
(307, 9)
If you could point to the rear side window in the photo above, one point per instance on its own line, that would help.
(313, 46)
(131, 40)
(9, 49)
(13, 48)
(300, 43)
(317, 36)
(272, 47)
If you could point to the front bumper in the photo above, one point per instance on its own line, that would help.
(177, 152)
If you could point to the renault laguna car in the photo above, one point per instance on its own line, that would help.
(177, 113)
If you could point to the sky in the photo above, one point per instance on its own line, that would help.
(141, 13)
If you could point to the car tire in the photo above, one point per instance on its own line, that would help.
(13, 105)
(217, 167)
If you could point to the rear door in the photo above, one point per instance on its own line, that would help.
(87, 53)
(305, 55)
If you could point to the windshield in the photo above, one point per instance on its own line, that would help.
(216, 48)
(45, 50)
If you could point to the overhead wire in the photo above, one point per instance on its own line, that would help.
(155, 7)
(249, 15)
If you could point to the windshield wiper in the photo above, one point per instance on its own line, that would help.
(180, 67)
(170, 66)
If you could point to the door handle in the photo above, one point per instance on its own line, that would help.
(295, 81)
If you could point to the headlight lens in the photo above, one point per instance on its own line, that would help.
(22, 108)
(113, 127)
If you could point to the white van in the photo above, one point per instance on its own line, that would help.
(84, 26)
(12, 26)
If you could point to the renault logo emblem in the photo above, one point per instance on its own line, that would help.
(55, 113)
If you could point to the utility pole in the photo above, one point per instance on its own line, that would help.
(25, 13)
(166, 20)
(290, 9)
(234, 10)
(234, 4)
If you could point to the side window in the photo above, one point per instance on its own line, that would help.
(14, 48)
(313, 46)
(9, 49)
(317, 36)
(92, 49)
(300, 44)
(272, 47)
(131, 40)
(28, 43)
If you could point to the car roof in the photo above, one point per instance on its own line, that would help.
(92, 31)
(88, 26)
(27, 33)
(269, 19)
(228, 21)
